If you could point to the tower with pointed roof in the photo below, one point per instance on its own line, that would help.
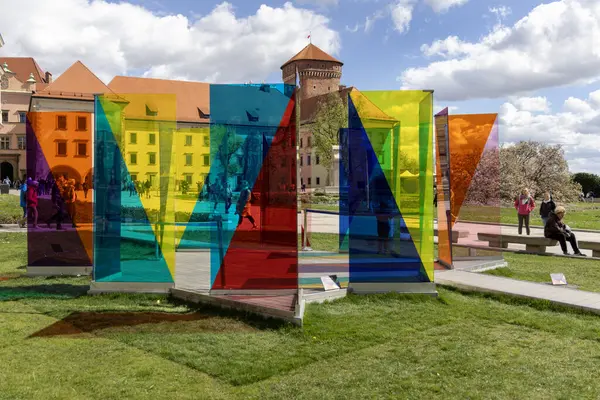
(319, 72)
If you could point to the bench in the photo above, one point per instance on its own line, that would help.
(533, 244)
(455, 235)
(594, 246)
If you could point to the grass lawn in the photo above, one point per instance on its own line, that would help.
(579, 215)
(585, 274)
(57, 343)
(10, 210)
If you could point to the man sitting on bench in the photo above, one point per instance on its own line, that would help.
(556, 229)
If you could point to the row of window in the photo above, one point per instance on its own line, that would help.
(309, 181)
(152, 177)
(309, 142)
(81, 123)
(22, 117)
(133, 139)
(189, 159)
(80, 148)
(317, 160)
(6, 145)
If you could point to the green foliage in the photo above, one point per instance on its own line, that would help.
(589, 182)
(331, 116)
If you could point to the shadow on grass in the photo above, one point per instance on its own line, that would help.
(50, 291)
(89, 322)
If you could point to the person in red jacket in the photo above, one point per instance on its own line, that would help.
(524, 204)
(32, 199)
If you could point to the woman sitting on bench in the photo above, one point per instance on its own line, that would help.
(557, 230)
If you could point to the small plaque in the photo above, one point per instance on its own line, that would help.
(558, 279)
(328, 283)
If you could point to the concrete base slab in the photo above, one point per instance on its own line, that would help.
(130, 287)
(398, 287)
(58, 271)
(250, 292)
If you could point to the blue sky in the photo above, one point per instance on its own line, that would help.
(535, 63)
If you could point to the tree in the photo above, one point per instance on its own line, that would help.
(225, 144)
(538, 167)
(331, 116)
(589, 182)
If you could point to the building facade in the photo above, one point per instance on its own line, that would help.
(20, 77)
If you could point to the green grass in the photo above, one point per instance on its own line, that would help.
(10, 210)
(584, 274)
(56, 342)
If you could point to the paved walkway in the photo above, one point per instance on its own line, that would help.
(486, 283)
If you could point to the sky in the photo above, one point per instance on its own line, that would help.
(536, 64)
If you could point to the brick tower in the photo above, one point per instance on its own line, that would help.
(319, 72)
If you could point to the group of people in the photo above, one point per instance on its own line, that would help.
(63, 195)
(552, 217)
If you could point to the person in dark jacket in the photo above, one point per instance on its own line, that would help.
(556, 229)
(547, 207)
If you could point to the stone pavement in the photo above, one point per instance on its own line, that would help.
(493, 284)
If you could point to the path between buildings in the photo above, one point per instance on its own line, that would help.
(472, 281)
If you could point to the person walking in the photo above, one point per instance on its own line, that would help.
(557, 230)
(85, 189)
(547, 207)
(59, 204)
(23, 199)
(70, 196)
(243, 205)
(524, 204)
(228, 197)
(32, 199)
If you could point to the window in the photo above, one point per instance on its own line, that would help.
(4, 116)
(206, 160)
(308, 159)
(133, 158)
(22, 117)
(61, 148)
(152, 179)
(309, 141)
(317, 160)
(300, 142)
(188, 140)
(283, 162)
(301, 157)
(309, 179)
(81, 149)
(151, 138)
(61, 122)
(132, 138)
(188, 178)
(381, 158)
(82, 123)
(206, 141)
(188, 159)
(318, 181)
(21, 142)
(133, 177)
(301, 181)
(5, 143)
(151, 158)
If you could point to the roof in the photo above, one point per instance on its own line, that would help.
(77, 82)
(312, 52)
(191, 96)
(23, 67)
(368, 110)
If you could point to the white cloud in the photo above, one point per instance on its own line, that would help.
(401, 12)
(121, 38)
(440, 6)
(532, 104)
(555, 44)
(576, 127)
(320, 3)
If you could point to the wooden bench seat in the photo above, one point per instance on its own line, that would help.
(533, 244)
(587, 245)
(455, 235)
